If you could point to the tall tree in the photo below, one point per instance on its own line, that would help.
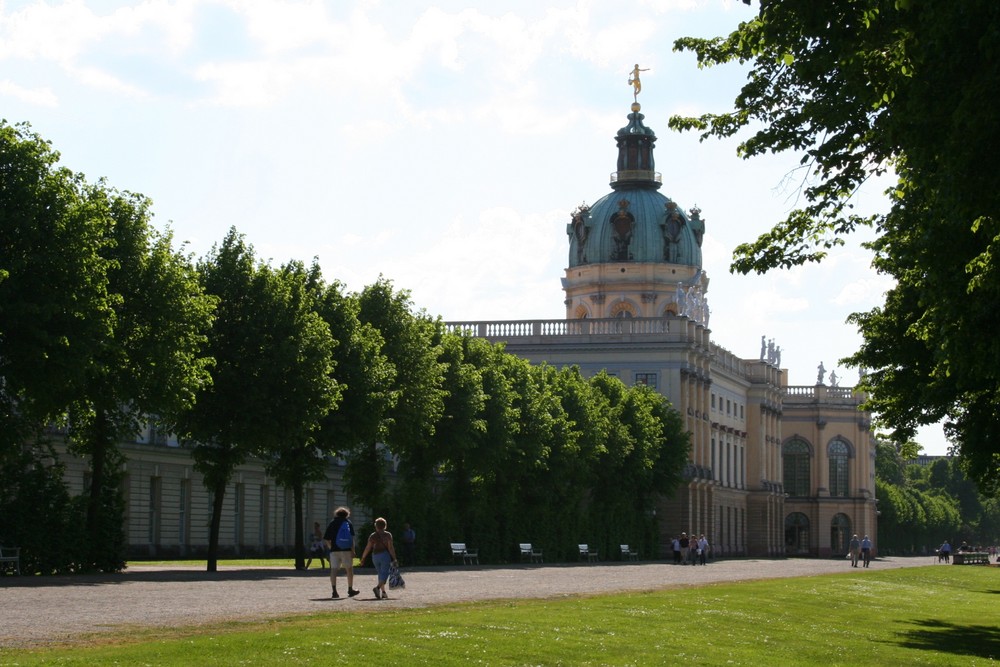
(302, 355)
(860, 88)
(149, 363)
(272, 379)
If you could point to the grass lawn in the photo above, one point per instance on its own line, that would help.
(915, 616)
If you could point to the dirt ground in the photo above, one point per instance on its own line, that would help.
(42, 610)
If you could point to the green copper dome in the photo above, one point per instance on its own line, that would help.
(635, 223)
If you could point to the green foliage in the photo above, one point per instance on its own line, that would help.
(54, 306)
(921, 506)
(528, 454)
(36, 511)
(859, 88)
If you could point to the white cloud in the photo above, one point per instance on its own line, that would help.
(43, 97)
(97, 78)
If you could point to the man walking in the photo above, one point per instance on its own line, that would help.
(855, 547)
(339, 538)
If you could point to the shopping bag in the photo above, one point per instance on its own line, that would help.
(395, 578)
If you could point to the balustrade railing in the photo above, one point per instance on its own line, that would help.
(587, 327)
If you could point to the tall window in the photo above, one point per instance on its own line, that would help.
(154, 510)
(262, 514)
(795, 461)
(238, 503)
(839, 457)
(840, 533)
(796, 533)
(183, 502)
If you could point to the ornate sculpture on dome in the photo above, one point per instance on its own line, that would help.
(621, 224)
(671, 231)
(581, 230)
(697, 225)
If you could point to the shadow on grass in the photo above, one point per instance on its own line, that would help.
(980, 641)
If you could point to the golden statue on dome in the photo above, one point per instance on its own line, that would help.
(633, 80)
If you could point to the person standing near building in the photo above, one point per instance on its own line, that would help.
(409, 545)
(866, 550)
(855, 548)
(702, 548)
(317, 549)
(685, 544)
(676, 546)
(339, 539)
(383, 555)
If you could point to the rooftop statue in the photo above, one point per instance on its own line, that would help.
(633, 81)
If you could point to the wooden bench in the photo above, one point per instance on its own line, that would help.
(530, 553)
(588, 554)
(970, 558)
(10, 557)
(628, 554)
(468, 556)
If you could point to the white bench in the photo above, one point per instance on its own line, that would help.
(10, 557)
(588, 554)
(530, 553)
(628, 554)
(468, 556)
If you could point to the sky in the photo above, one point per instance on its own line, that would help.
(441, 145)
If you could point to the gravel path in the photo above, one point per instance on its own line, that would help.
(42, 610)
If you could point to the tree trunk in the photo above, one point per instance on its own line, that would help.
(300, 559)
(219, 494)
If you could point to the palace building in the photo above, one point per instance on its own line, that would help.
(775, 469)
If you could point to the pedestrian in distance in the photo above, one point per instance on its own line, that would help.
(383, 555)
(339, 539)
(317, 549)
(855, 548)
(866, 550)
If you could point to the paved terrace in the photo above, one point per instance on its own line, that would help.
(35, 611)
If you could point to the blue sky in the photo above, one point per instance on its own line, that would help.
(441, 145)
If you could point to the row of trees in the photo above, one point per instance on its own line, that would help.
(921, 506)
(104, 324)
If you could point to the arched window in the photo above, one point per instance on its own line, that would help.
(840, 533)
(622, 310)
(839, 455)
(796, 533)
(795, 461)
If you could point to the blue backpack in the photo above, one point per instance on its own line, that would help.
(344, 538)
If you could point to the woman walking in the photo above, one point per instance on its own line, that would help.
(383, 556)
